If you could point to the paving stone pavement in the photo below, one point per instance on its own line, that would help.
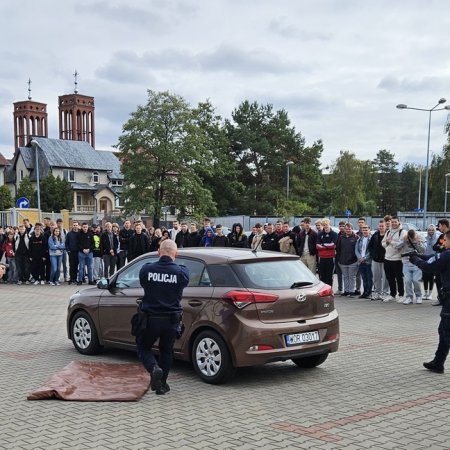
(372, 394)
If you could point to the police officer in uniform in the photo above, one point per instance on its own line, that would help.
(163, 283)
(440, 263)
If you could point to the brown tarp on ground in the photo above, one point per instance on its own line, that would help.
(91, 381)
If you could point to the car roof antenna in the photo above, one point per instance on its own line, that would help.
(255, 250)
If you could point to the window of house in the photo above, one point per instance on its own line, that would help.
(20, 175)
(95, 177)
(117, 182)
(69, 175)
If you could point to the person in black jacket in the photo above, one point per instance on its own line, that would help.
(182, 236)
(194, 236)
(219, 240)
(85, 255)
(270, 239)
(38, 250)
(124, 238)
(72, 251)
(237, 237)
(138, 244)
(109, 242)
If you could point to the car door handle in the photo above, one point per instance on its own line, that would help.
(195, 303)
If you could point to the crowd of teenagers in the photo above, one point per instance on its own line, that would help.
(368, 264)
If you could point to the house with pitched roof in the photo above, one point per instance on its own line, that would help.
(94, 175)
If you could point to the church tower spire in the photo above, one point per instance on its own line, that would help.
(76, 116)
(30, 119)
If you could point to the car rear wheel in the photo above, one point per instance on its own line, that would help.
(309, 362)
(211, 358)
(84, 334)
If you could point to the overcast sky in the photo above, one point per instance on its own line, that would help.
(338, 67)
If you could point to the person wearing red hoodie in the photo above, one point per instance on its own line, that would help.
(326, 249)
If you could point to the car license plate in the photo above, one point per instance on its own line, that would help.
(302, 338)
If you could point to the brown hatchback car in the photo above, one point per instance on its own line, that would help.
(241, 308)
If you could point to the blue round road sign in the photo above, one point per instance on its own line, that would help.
(22, 202)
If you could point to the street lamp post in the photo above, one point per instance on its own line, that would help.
(36, 146)
(446, 192)
(420, 186)
(429, 111)
(288, 163)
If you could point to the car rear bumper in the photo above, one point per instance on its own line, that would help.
(246, 352)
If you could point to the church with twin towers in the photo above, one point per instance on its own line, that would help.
(94, 175)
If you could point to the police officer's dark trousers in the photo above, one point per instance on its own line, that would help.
(163, 328)
(444, 332)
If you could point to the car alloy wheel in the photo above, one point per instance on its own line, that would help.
(211, 358)
(84, 334)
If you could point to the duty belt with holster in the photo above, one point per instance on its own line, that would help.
(139, 321)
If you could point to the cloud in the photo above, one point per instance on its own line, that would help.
(125, 68)
(124, 15)
(128, 66)
(282, 27)
(393, 83)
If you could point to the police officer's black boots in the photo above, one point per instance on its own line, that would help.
(156, 375)
(163, 390)
(433, 367)
(164, 386)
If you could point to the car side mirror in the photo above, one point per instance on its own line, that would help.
(103, 283)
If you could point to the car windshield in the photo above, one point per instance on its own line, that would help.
(275, 274)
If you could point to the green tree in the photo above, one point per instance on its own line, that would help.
(26, 190)
(346, 184)
(56, 194)
(160, 149)
(440, 166)
(410, 179)
(262, 142)
(388, 182)
(6, 200)
(370, 187)
(221, 165)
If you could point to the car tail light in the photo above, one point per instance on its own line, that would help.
(241, 299)
(326, 291)
(260, 348)
(333, 337)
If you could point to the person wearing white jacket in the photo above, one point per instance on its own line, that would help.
(393, 267)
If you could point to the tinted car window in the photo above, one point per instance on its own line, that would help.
(223, 275)
(274, 274)
(129, 277)
(198, 275)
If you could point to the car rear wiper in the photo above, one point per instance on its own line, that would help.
(298, 284)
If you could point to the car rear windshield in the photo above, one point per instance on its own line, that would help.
(274, 274)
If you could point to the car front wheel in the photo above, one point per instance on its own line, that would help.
(84, 334)
(211, 358)
(309, 362)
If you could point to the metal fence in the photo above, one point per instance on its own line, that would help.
(249, 221)
(13, 217)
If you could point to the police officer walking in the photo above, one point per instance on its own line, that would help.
(440, 263)
(163, 282)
